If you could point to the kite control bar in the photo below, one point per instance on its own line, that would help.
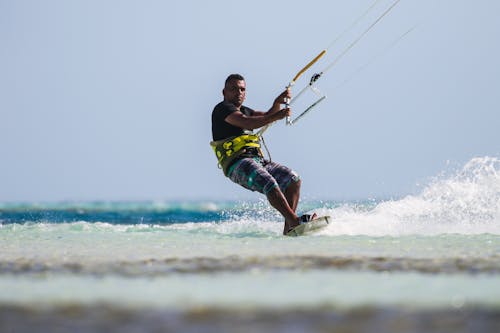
(306, 67)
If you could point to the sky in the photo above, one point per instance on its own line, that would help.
(112, 99)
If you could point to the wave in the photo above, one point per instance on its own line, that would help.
(467, 202)
(125, 213)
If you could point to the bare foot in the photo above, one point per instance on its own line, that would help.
(289, 226)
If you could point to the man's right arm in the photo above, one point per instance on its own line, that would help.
(241, 120)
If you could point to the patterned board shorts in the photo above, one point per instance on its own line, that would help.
(262, 176)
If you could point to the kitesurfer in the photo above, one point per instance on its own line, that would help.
(239, 155)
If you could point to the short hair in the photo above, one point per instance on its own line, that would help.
(232, 77)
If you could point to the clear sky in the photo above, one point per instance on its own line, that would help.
(111, 99)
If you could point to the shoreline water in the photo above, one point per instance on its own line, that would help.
(103, 318)
(155, 267)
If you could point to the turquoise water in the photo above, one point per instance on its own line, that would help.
(435, 253)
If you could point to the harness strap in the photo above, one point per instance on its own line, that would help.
(229, 149)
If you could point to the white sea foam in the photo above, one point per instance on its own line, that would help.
(467, 202)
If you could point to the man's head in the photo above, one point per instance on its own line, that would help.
(234, 89)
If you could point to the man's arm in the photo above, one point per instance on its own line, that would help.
(259, 118)
(240, 120)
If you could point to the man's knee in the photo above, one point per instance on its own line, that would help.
(273, 191)
(294, 185)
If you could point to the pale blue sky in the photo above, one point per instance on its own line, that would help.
(111, 100)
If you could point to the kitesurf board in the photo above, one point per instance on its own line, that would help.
(311, 226)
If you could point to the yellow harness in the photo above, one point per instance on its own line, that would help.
(229, 149)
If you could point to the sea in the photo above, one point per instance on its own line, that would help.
(422, 262)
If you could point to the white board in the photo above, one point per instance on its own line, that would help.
(311, 226)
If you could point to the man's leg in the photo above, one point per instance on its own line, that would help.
(252, 175)
(280, 203)
(292, 194)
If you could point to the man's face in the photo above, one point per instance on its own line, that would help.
(235, 92)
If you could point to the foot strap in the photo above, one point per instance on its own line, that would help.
(306, 218)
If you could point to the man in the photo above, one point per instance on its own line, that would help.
(239, 155)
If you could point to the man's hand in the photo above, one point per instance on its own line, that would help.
(283, 98)
(283, 113)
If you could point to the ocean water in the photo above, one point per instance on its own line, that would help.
(427, 262)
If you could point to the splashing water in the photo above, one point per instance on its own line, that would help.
(465, 203)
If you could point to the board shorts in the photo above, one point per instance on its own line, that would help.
(257, 174)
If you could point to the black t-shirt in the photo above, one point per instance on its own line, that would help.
(222, 129)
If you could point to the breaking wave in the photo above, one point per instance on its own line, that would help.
(467, 202)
